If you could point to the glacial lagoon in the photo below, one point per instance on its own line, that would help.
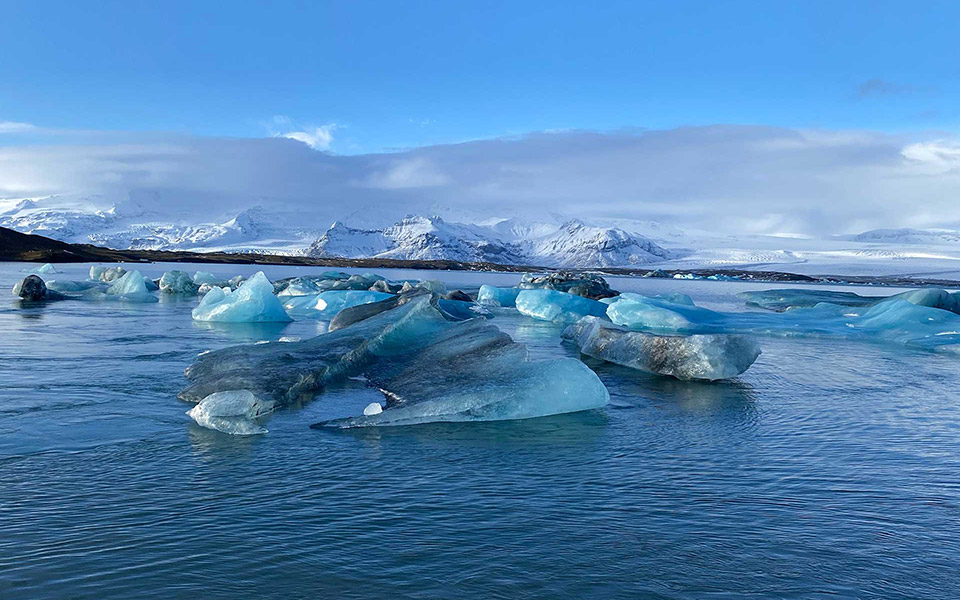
(830, 468)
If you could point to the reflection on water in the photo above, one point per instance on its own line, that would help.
(829, 469)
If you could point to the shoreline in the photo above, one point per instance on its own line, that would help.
(29, 248)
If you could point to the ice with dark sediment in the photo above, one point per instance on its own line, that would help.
(252, 302)
(558, 307)
(33, 289)
(428, 367)
(893, 321)
(178, 282)
(588, 285)
(703, 356)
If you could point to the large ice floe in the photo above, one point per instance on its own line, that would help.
(428, 367)
(178, 282)
(252, 302)
(787, 299)
(498, 296)
(894, 320)
(709, 357)
(231, 411)
(326, 305)
(559, 307)
(588, 285)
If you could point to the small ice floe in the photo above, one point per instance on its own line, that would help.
(374, 408)
(233, 412)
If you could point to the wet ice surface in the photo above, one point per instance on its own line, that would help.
(828, 469)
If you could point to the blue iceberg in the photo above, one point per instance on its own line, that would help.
(559, 307)
(252, 302)
(497, 296)
(428, 367)
(893, 321)
(326, 305)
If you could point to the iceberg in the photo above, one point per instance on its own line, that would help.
(130, 287)
(178, 282)
(559, 307)
(708, 357)
(112, 274)
(201, 277)
(32, 289)
(96, 272)
(893, 321)
(430, 369)
(252, 302)
(301, 286)
(497, 296)
(787, 299)
(231, 411)
(588, 285)
(46, 269)
(326, 305)
(65, 285)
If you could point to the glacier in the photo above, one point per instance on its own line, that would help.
(558, 307)
(231, 411)
(894, 321)
(703, 357)
(429, 368)
(252, 302)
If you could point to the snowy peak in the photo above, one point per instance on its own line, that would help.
(431, 238)
(910, 236)
(579, 245)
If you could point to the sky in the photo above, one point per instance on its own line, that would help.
(357, 81)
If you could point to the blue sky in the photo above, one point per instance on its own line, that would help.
(386, 75)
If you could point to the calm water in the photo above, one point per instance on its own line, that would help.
(829, 470)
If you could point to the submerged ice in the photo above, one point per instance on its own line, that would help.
(428, 367)
(709, 357)
(786, 299)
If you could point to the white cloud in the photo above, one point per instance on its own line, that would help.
(319, 138)
(14, 127)
(721, 178)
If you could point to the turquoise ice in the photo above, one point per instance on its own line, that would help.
(498, 296)
(252, 302)
(559, 307)
(326, 305)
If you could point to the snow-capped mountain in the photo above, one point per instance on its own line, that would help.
(505, 242)
(417, 238)
(131, 226)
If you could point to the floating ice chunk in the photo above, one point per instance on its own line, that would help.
(786, 299)
(458, 310)
(46, 269)
(112, 274)
(201, 277)
(96, 272)
(32, 289)
(300, 286)
(432, 285)
(178, 282)
(559, 307)
(233, 411)
(429, 368)
(130, 287)
(892, 320)
(588, 285)
(326, 305)
(64, 285)
(252, 302)
(374, 408)
(497, 296)
(709, 357)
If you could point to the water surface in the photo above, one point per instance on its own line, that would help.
(830, 469)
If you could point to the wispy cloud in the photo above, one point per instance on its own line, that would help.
(15, 127)
(882, 87)
(318, 138)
